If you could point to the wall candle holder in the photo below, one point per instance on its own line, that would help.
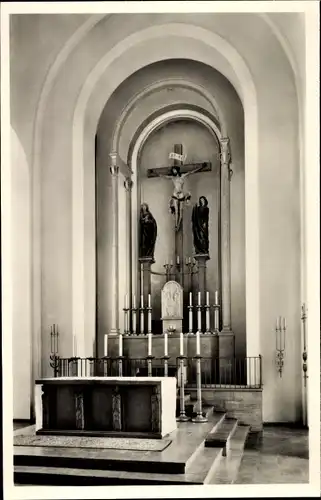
(304, 354)
(54, 357)
(280, 330)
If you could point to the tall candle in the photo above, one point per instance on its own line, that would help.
(216, 297)
(207, 298)
(165, 344)
(106, 344)
(199, 298)
(284, 323)
(142, 301)
(134, 302)
(190, 299)
(198, 343)
(149, 344)
(126, 301)
(120, 344)
(177, 259)
(149, 300)
(181, 344)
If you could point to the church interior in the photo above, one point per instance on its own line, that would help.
(159, 246)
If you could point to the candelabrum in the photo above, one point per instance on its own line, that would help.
(182, 415)
(199, 418)
(280, 330)
(304, 354)
(54, 342)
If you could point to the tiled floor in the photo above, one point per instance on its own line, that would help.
(280, 457)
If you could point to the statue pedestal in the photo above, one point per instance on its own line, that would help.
(201, 260)
(226, 348)
(145, 265)
(146, 285)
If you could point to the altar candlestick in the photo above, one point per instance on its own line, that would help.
(126, 301)
(207, 312)
(142, 315)
(190, 319)
(171, 262)
(134, 301)
(181, 344)
(284, 324)
(198, 343)
(216, 297)
(177, 260)
(106, 344)
(165, 344)
(216, 319)
(149, 315)
(199, 314)
(149, 344)
(120, 344)
(189, 260)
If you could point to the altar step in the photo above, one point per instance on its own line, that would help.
(188, 460)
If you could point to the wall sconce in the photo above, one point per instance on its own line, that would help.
(54, 357)
(280, 343)
(304, 354)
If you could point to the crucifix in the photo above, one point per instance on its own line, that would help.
(177, 173)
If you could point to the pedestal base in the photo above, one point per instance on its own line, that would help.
(200, 419)
(226, 345)
(182, 418)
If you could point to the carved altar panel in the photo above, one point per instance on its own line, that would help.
(116, 410)
(172, 301)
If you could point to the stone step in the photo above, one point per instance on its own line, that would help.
(172, 460)
(221, 435)
(226, 470)
(198, 467)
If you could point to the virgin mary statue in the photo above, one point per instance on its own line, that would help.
(200, 217)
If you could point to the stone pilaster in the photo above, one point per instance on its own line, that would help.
(114, 284)
(225, 234)
(128, 184)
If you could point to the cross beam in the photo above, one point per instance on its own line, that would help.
(207, 167)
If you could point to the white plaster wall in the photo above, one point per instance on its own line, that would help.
(278, 167)
(21, 285)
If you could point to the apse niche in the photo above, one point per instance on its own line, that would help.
(199, 145)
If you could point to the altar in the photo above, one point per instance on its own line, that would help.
(106, 406)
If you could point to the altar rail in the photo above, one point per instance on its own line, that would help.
(215, 372)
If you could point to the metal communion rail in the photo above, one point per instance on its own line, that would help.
(220, 372)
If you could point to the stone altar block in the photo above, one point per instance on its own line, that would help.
(141, 407)
(172, 306)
